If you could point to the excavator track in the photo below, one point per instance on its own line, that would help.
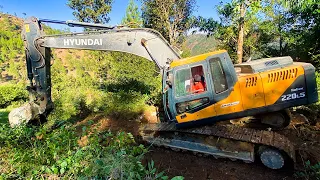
(226, 141)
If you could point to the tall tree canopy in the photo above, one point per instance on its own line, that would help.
(172, 18)
(132, 17)
(92, 11)
(304, 21)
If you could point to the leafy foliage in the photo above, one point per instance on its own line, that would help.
(12, 92)
(92, 11)
(304, 18)
(199, 43)
(171, 18)
(133, 17)
(11, 48)
(10, 42)
(310, 172)
(118, 84)
(56, 153)
(4, 115)
(272, 28)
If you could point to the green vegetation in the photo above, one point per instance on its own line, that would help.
(95, 11)
(37, 153)
(119, 85)
(10, 40)
(199, 44)
(11, 48)
(310, 172)
(132, 18)
(272, 28)
(4, 115)
(10, 93)
(171, 18)
(313, 111)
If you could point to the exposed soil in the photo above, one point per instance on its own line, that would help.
(194, 167)
(208, 168)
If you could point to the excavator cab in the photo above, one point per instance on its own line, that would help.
(198, 82)
(207, 88)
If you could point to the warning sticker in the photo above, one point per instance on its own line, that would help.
(27, 27)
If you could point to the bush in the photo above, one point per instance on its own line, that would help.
(35, 153)
(125, 105)
(310, 171)
(4, 115)
(12, 92)
(89, 86)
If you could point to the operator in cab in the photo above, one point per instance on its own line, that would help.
(198, 85)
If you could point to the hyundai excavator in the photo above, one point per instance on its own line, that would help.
(198, 92)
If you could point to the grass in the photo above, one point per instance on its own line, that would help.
(30, 152)
(39, 153)
(4, 115)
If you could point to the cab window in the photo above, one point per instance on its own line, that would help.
(218, 75)
(190, 81)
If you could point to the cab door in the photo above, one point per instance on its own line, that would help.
(226, 89)
(192, 93)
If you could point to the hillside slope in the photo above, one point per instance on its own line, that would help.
(200, 43)
(11, 47)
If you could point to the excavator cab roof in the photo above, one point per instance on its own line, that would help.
(195, 59)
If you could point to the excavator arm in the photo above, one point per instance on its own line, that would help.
(143, 42)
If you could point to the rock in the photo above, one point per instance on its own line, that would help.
(20, 115)
(23, 114)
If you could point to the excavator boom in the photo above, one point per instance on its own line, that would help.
(143, 42)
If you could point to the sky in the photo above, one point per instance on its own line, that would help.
(58, 10)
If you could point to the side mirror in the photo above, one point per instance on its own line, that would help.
(169, 80)
(169, 83)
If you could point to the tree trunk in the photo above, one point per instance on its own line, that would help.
(280, 41)
(241, 32)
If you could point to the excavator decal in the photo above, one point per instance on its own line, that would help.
(82, 42)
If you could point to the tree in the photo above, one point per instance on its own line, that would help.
(238, 30)
(92, 11)
(240, 12)
(241, 30)
(304, 23)
(172, 18)
(132, 17)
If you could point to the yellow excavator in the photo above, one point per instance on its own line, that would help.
(198, 92)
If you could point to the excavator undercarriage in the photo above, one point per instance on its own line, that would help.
(229, 141)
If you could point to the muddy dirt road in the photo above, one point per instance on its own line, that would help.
(194, 167)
